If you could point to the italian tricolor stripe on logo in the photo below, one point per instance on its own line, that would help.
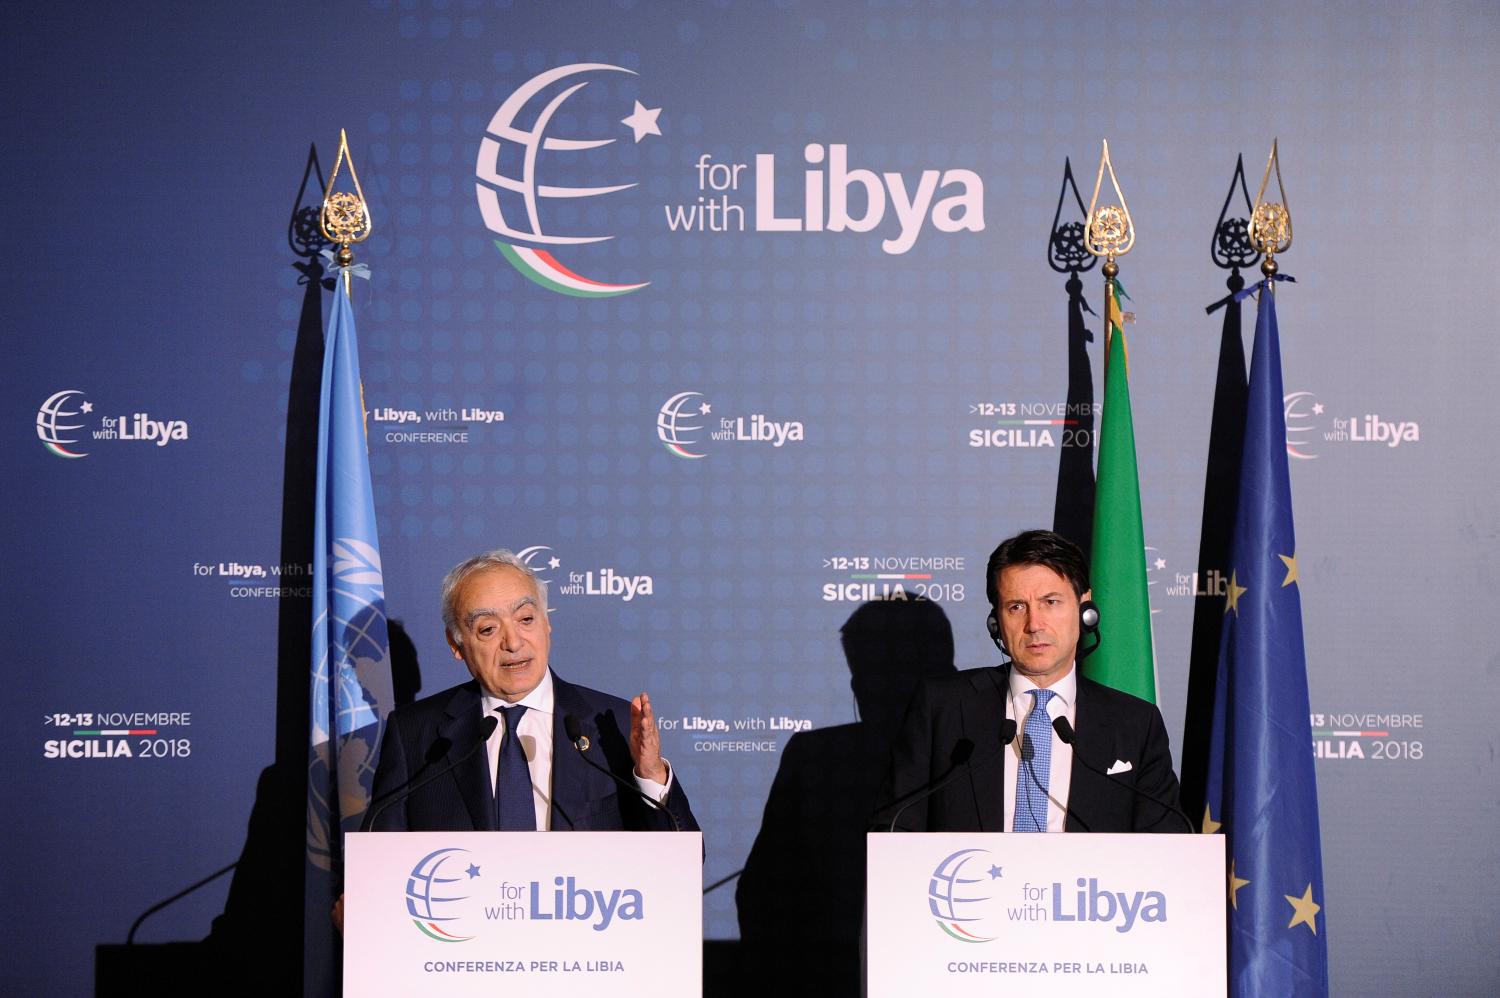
(543, 268)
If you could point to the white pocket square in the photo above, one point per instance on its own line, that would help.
(1120, 766)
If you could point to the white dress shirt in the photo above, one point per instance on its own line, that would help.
(536, 741)
(1017, 707)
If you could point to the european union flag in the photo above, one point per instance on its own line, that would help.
(351, 660)
(1261, 789)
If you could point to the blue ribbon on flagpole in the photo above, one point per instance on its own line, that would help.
(1258, 285)
(360, 270)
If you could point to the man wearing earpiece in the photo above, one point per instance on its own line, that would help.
(1031, 745)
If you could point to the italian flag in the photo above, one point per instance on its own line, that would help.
(1117, 565)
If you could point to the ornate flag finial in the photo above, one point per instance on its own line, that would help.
(1271, 221)
(1109, 231)
(345, 218)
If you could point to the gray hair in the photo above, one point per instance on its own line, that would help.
(498, 558)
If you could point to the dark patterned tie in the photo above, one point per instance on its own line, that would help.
(515, 811)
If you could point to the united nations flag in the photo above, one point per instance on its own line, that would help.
(351, 659)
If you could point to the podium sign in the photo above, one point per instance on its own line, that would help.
(484, 913)
(972, 914)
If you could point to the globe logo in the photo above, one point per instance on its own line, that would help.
(427, 900)
(540, 559)
(512, 205)
(670, 428)
(52, 426)
(1299, 409)
(953, 898)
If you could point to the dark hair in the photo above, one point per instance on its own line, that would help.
(1037, 547)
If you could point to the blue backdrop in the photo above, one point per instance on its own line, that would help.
(862, 309)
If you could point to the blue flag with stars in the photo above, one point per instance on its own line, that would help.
(1262, 793)
(351, 659)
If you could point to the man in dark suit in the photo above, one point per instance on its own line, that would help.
(1037, 584)
(495, 617)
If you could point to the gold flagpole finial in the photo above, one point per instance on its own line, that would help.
(1109, 231)
(345, 218)
(1271, 221)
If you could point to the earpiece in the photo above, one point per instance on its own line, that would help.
(993, 623)
(1088, 623)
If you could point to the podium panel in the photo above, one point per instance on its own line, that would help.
(483, 913)
(1055, 915)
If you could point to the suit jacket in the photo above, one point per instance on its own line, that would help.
(434, 731)
(1109, 726)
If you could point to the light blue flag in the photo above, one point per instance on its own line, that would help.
(351, 660)
(1262, 793)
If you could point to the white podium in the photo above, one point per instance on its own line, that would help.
(484, 913)
(1054, 915)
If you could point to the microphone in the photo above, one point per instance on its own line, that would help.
(1007, 731)
(1028, 759)
(574, 731)
(963, 750)
(1028, 763)
(418, 781)
(1065, 732)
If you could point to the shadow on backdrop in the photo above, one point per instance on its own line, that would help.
(801, 896)
(1073, 511)
(1231, 250)
(255, 945)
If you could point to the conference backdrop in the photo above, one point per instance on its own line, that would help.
(748, 325)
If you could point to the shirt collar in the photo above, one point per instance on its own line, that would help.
(1065, 689)
(539, 700)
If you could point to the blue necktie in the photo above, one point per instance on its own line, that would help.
(1035, 771)
(513, 802)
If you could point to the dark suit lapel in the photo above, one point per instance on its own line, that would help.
(461, 728)
(1093, 729)
(570, 774)
(982, 716)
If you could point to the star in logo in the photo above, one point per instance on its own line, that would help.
(1161, 563)
(1317, 408)
(705, 409)
(88, 407)
(642, 121)
(996, 873)
(1306, 910)
(553, 562)
(472, 871)
(1235, 592)
(1291, 569)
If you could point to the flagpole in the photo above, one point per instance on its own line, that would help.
(1262, 783)
(1117, 561)
(1111, 270)
(347, 704)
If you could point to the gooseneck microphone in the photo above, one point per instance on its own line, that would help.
(1065, 732)
(963, 750)
(418, 781)
(1028, 757)
(574, 730)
